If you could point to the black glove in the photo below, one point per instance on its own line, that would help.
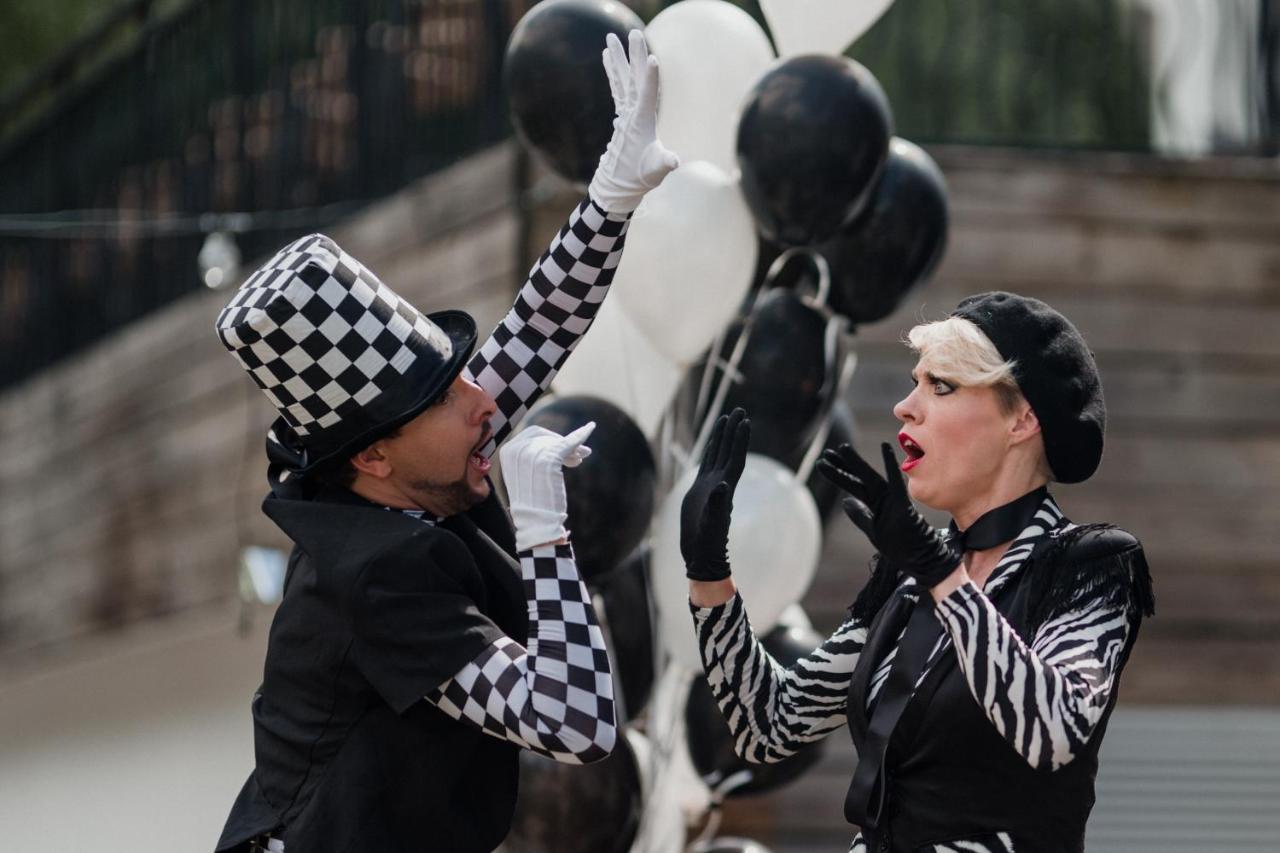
(708, 505)
(883, 511)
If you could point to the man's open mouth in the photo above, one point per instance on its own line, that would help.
(481, 462)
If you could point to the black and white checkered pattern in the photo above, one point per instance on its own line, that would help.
(556, 697)
(552, 311)
(321, 335)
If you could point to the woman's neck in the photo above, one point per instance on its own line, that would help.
(1003, 493)
(980, 564)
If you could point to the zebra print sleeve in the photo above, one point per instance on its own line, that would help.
(556, 697)
(1044, 700)
(772, 711)
(551, 313)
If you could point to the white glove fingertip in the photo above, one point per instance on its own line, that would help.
(617, 54)
(637, 47)
(575, 439)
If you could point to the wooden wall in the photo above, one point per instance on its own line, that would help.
(1172, 273)
(132, 474)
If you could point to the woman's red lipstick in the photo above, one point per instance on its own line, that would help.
(913, 450)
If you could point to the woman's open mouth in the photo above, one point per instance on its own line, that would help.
(913, 450)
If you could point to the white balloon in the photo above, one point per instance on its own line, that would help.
(690, 256)
(711, 53)
(615, 362)
(819, 26)
(774, 541)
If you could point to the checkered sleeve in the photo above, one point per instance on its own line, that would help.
(556, 696)
(551, 313)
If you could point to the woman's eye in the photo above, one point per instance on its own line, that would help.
(940, 387)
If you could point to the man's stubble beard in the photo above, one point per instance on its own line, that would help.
(450, 498)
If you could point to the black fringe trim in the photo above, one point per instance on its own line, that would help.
(884, 580)
(1064, 583)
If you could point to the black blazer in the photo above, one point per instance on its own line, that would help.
(379, 609)
(949, 775)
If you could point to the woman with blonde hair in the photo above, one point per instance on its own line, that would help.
(979, 665)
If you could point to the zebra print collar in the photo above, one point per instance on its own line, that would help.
(1048, 520)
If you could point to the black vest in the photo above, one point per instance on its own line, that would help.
(949, 775)
(340, 765)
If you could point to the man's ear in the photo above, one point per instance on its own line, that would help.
(1025, 424)
(372, 461)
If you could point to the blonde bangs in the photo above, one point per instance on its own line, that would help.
(956, 350)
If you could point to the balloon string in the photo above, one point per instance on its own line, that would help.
(820, 265)
(666, 734)
(729, 375)
(841, 379)
(709, 372)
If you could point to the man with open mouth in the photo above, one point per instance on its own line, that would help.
(424, 637)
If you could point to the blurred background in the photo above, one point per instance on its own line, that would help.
(1117, 158)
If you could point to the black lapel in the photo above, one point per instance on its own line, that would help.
(492, 559)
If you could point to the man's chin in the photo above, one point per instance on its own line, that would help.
(457, 497)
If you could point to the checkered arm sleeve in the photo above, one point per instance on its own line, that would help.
(556, 696)
(772, 711)
(551, 314)
(1046, 699)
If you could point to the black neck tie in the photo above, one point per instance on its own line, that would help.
(865, 801)
(1000, 524)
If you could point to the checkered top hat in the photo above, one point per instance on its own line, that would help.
(340, 355)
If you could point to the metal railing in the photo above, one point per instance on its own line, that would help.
(298, 111)
(295, 111)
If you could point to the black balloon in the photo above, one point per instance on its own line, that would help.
(556, 86)
(782, 377)
(896, 242)
(611, 494)
(628, 615)
(826, 494)
(711, 743)
(567, 808)
(812, 139)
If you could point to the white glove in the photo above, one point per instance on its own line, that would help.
(635, 161)
(533, 464)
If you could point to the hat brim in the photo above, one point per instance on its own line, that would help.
(423, 390)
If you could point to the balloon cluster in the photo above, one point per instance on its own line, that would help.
(788, 157)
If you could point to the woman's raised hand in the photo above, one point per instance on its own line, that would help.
(708, 505)
(880, 507)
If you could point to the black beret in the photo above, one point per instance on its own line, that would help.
(1055, 372)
